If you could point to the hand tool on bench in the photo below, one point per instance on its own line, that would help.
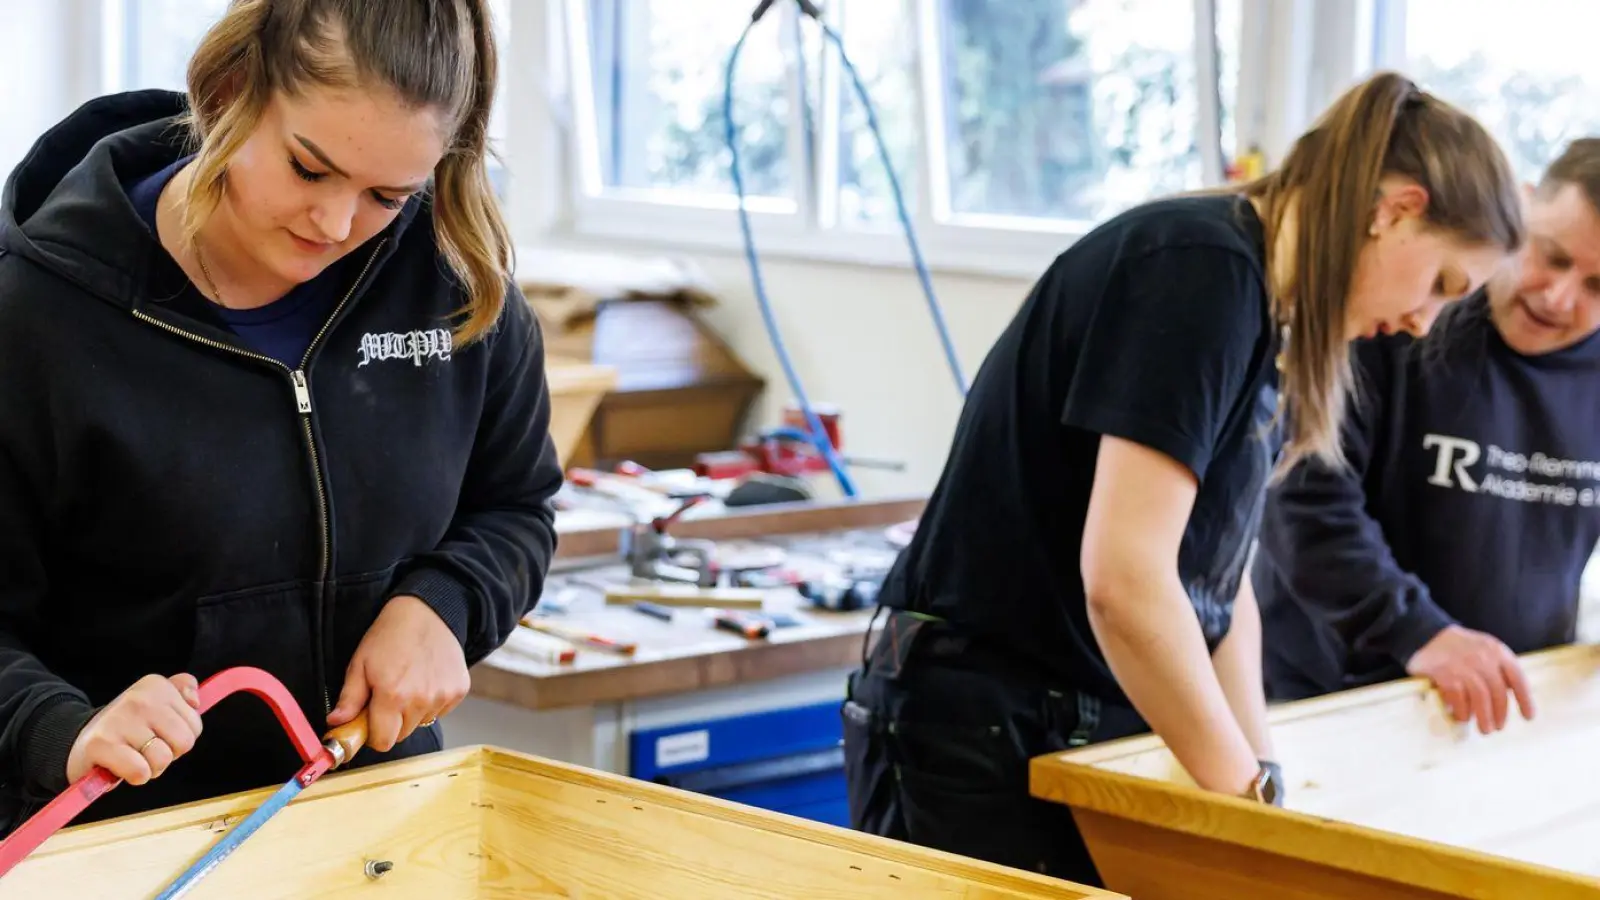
(752, 627)
(655, 610)
(667, 594)
(579, 636)
(655, 555)
(320, 757)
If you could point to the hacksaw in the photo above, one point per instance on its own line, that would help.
(320, 756)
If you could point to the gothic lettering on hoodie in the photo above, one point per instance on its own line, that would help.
(417, 346)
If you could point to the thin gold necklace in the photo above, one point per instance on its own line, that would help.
(205, 270)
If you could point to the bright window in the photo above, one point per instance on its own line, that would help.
(1026, 116)
(875, 34)
(658, 69)
(1067, 110)
(1530, 77)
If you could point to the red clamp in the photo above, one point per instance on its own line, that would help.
(77, 797)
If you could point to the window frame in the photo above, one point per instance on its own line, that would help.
(809, 227)
(547, 92)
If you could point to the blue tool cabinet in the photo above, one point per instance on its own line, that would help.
(787, 760)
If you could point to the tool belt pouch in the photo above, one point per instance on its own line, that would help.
(892, 652)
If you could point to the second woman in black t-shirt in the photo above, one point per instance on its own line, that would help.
(1077, 574)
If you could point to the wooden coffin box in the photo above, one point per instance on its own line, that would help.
(680, 389)
(576, 389)
(482, 823)
(1387, 798)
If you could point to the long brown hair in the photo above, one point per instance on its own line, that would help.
(438, 54)
(1330, 181)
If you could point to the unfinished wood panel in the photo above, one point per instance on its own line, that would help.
(1156, 864)
(1398, 861)
(1389, 757)
(420, 815)
(594, 839)
(480, 823)
(1382, 780)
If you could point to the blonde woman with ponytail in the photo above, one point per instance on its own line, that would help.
(271, 399)
(1078, 573)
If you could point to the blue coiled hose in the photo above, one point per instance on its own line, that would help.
(818, 435)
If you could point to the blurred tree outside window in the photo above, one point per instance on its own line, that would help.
(1053, 109)
(1530, 76)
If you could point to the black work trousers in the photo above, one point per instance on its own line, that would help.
(938, 732)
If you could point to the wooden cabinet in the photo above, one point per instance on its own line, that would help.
(680, 390)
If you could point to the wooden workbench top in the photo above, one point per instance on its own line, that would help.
(687, 654)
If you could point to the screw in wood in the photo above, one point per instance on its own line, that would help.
(377, 868)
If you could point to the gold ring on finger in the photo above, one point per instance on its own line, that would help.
(146, 745)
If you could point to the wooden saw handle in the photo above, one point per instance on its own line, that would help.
(351, 736)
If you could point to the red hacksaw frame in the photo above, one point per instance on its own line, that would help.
(77, 797)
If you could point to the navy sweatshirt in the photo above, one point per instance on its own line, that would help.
(172, 500)
(1473, 498)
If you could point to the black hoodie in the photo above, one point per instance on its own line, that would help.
(171, 502)
(1472, 498)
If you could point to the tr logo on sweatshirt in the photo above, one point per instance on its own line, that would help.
(1535, 478)
(416, 346)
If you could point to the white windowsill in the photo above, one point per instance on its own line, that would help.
(983, 252)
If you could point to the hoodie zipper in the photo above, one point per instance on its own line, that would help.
(302, 399)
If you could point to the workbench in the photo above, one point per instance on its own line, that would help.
(486, 823)
(754, 720)
(1387, 798)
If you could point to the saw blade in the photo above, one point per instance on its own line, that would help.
(234, 838)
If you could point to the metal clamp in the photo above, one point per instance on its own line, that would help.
(654, 554)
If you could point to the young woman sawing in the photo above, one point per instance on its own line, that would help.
(271, 400)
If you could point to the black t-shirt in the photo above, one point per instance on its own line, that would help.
(1155, 327)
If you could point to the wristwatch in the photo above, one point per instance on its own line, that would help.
(1267, 786)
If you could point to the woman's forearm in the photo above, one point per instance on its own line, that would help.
(1147, 629)
(1143, 618)
(1238, 666)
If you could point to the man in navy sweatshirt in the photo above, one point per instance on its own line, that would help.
(1458, 534)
